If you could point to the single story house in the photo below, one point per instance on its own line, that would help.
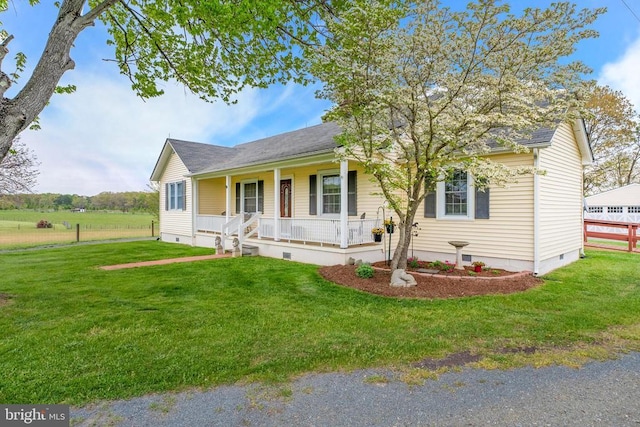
(289, 197)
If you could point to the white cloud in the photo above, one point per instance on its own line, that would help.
(104, 138)
(623, 74)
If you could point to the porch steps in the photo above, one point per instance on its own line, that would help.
(249, 250)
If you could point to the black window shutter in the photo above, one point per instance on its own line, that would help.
(261, 196)
(237, 197)
(313, 195)
(482, 203)
(184, 195)
(430, 205)
(166, 197)
(352, 193)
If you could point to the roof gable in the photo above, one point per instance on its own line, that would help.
(197, 156)
(193, 155)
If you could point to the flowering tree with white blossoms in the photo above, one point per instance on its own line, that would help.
(422, 90)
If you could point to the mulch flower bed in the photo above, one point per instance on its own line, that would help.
(454, 284)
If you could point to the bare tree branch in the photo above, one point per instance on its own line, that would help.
(18, 170)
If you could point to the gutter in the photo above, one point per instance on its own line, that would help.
(260, 165)
(536, 213)
(503, 150)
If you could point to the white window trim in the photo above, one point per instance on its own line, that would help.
(471, 202)
(242, 184)
(172, 195)
(321, 174)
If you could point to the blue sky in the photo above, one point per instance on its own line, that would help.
(104, 138)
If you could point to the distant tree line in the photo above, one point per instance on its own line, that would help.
(130, 201)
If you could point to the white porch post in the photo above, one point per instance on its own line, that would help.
(536, 213)
(344, 204)
(194, 209)
(276, 204)
(227, 197)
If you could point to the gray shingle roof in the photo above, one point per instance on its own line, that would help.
(197, 156)
(539, 136)
(201, 158)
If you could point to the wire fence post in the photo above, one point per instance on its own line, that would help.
(77, 233)
(152, 228)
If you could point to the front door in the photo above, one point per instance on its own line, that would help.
(285, 198)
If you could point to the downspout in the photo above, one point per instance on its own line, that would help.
(536, 213)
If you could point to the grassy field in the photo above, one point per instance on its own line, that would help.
(18, 228)
(90, 217)
(73, 333)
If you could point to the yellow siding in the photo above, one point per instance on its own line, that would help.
(212, 192)
(175, 222)
(368, 202)
(211, 196)
(560, 195)
(507, 234)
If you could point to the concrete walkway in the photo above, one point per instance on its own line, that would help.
(164, 261)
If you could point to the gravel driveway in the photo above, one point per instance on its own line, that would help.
(598, 394)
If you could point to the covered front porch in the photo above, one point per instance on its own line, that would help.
(319, 250)
(320, 231)
(314, 203)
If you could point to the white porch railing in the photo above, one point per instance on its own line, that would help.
(241, 226)
(308, 230)
(232, 227)
(249, 227)
(317, 230)
(210, 223)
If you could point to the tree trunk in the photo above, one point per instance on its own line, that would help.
(399, 260)
(405, 232)
(405, 226)
(18, 113)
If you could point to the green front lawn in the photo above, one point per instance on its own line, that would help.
(72, 333)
